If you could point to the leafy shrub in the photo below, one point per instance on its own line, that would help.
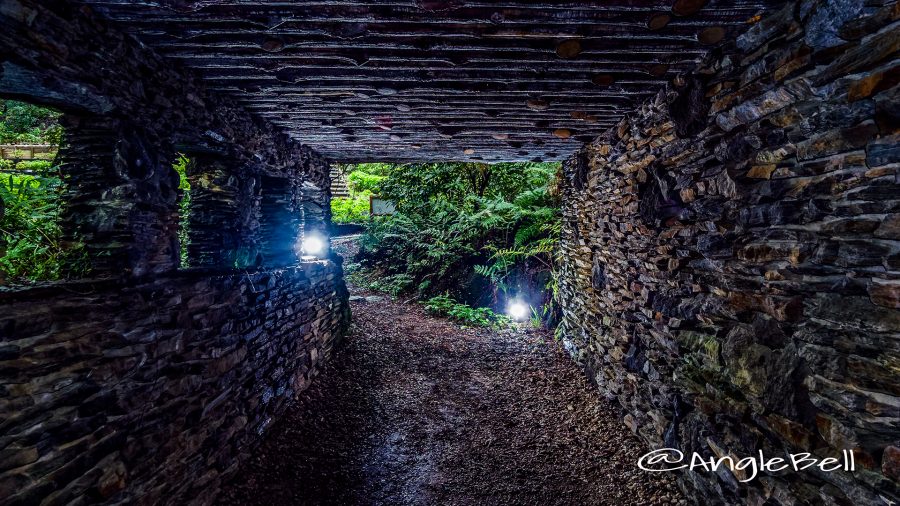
(30, 248)
(478, 233)
(184, 206)
(362, 184)
(39, 166)
(22, 123)
(378, 169)
(443, 305)
(434, 249)
(394, 285)
(455, 220)
(360, 181)
(350, 209)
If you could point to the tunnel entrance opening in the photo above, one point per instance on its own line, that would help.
(470, 238)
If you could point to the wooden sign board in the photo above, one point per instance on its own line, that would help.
(381, 207)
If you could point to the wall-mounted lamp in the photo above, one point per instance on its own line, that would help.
(313, 246)
(517, 310)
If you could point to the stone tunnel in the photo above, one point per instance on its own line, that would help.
(730, 251)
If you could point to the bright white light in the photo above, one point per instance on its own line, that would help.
(517, 310)
(313, 245)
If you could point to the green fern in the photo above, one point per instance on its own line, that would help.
(30, 245)
(447, 226)
(444, 305)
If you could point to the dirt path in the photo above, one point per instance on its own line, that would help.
(415, 410)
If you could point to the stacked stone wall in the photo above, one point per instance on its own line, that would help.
(153, 391)
(146, 383)
(731, 258)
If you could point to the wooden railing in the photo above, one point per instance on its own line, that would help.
(28, 151)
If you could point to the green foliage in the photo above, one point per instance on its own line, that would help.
(353, 209)
(429, 247)
(363, 181)
(356, 275)
(378, 169)
(535, 240)
(22, 123)
(559, 333)
(416, 186)
(184, 206)
(31, 166)
(30, 249)
(360, 181)
(451, 219)
(394, 285)
(472, 231)
(443, 305)
(540, 316)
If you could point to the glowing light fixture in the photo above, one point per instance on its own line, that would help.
(313, 245)
(517, 310)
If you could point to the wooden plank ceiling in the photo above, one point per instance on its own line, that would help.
(427, 80)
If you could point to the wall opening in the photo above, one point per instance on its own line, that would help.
(352, 187)
(184, 209)
(32, 246)
(279, 222)
(214, 221)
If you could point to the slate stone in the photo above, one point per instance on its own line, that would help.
(750, 268)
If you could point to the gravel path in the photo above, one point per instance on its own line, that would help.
(413, 409)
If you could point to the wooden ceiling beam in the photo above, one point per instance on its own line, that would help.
(404, 80)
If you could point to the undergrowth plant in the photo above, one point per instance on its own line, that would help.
(443, 305)
(457, 223)
(30, 245)
(354, 209)
(34, 166)
(184, 206)
(394, 285)
(23, 123)
(363, 182)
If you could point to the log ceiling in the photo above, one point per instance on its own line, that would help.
(425, 80)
